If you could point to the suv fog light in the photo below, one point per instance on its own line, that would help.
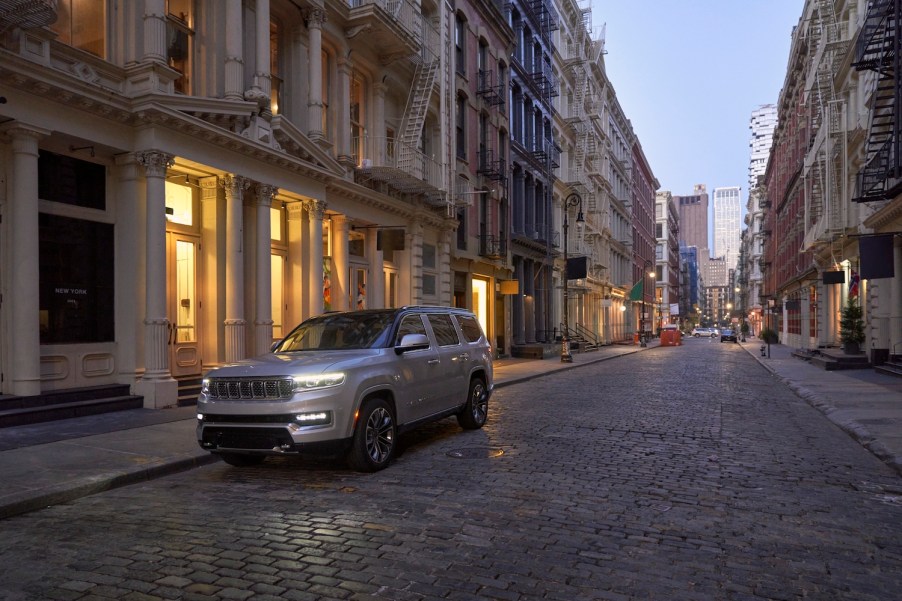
(317, 418)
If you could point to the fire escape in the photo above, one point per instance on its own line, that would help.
(585, 148)
(26, 14)
(825, 165)
(878, 50)
(401, 163)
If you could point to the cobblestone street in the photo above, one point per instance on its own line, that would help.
(673, 474)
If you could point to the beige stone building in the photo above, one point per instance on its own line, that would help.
(183, 181)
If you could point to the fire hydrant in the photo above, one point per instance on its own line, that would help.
(763, 349)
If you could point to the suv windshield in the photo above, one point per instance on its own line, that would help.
(339, 331)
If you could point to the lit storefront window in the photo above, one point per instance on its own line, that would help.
(481, 303)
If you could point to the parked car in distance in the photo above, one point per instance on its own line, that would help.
(710, 332)
(728, 335)
(349, 382)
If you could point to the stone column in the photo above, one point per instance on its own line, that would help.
(518, 305)
(24, 250)
(129, 272)
(535, 308)
(415, 266)
(340, 265)
(155, 31)
(234, 60)
(316, 209)
(316, 18)
(297, 259)
(895, 317)
(262, 85)
(235, 322)
(156, 385)
(445, 280)
(375, 297)
(263, 289)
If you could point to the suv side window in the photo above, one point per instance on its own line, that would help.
(410, 324)
(470, 327)
(445, 334)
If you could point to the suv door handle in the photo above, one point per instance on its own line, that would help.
(464, 356)
(433, 362)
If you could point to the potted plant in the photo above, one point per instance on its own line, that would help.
(768, 336)
(744, 330)
(851, 327)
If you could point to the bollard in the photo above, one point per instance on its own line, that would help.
(763, 349)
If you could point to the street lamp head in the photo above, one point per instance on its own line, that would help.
(579, 217)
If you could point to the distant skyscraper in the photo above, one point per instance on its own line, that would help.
(694, 220)
(727, 224)
(762, 124)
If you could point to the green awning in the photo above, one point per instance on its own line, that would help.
(637, 292)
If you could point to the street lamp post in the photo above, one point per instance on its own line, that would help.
(572, 200)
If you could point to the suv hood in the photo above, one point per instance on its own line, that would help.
(286, 364)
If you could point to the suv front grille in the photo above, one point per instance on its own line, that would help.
(257, 389)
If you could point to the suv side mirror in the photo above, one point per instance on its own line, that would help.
(412, 342)
(274, 345)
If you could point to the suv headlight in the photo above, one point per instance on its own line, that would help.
(314, 382)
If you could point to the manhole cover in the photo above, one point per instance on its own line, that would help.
(476, 453)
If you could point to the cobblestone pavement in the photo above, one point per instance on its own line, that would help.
(672, 474)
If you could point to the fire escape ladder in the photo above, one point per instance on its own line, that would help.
(878, 50)
(415, 113)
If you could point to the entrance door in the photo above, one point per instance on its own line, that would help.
(184, 348)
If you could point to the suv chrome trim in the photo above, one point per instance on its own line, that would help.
(254, 389)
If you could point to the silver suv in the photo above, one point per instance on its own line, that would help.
(349, 382)
(711, 332)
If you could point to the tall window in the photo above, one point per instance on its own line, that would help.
(482, 56)
(483, 141)
(76, 302)
(460, 41)
(275, 94)
(501, 82)
(327, 80)
(461, 121)
(357, 117)
(179, 34)
(430, 270)
(81, 25)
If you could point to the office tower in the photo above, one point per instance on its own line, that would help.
(762, 124)
(694, 223)
(727, 224)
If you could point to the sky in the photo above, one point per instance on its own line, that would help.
(689, 73)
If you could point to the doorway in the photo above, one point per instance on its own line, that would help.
(182, 251)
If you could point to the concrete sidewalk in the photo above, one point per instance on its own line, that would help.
(83, 456)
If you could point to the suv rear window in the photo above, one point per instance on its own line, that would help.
(470, 327)
(445, 334)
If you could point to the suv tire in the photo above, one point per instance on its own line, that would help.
(374, 441)
(476, 410)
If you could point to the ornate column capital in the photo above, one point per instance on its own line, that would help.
(265, 194)
(155, 162)
(315, 17)
(316, 208)
(233, 184)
